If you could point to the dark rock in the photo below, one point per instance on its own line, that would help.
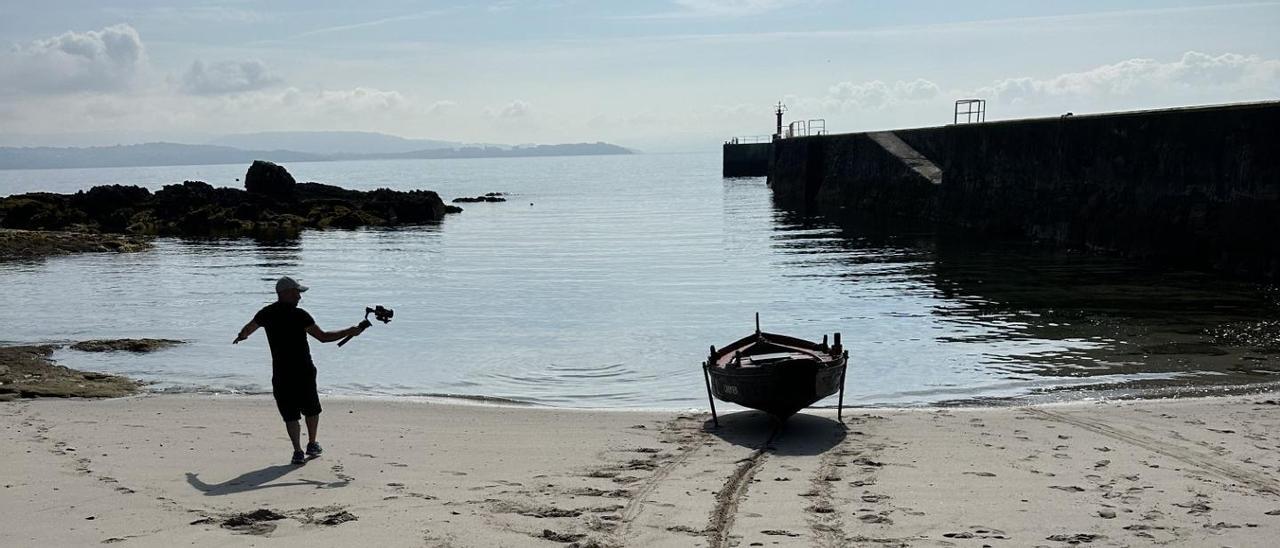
(341, 216)
(29, 372)
(39, 211)
(273, 207)
(412, 207)
(490, 197)
(129, 345)
(269, 179)
(110, 206)
(32, 244)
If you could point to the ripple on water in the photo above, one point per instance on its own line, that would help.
(608, 292)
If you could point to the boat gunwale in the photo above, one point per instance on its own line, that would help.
(824, 357)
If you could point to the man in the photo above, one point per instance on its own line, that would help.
(293, 375)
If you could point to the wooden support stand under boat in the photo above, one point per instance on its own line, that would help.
(777, 374)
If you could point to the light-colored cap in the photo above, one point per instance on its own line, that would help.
(286, 282)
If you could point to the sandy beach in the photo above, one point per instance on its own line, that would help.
(164, 470)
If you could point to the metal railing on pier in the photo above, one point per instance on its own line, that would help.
(798, 128)
(806, 128)
(975, 111)
(750, 139)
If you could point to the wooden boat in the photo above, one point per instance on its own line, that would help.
(777, 374)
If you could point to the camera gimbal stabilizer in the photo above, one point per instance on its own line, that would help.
(379, 313)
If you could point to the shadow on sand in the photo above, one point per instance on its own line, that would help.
(800, 435)
(257, 479)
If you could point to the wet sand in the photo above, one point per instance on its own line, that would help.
(213, 470)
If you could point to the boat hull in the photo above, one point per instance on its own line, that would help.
(781, 389)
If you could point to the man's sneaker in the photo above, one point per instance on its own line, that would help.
(299, 458)
(314, 450)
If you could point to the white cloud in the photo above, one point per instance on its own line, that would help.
(514, 109)
(227, 77)
(1229, 76)
(360, 100)
(1193, 78)
(441, 107)
(97, 60)
(875, 94)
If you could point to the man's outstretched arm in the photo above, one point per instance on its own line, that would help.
(330, 336)
(245, 331)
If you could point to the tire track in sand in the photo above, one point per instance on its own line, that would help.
(824, 522)
(734, 491)
(1225, 470)
(636, 503)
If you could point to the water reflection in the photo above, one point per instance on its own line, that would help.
(608, 292)
(278, 254)
(1040, 320)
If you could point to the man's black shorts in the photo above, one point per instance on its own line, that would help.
(295, 394)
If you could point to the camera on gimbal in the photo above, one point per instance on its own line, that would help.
(379, 312)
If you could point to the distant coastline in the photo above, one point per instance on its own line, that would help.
(175, 154)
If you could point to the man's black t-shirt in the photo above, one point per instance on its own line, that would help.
(286, 326)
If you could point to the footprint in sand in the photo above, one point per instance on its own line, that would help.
(338, 472)
(978, 531)
(876, 519)
(689, 530)
(779, 533)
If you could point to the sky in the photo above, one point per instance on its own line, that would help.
(658, 76)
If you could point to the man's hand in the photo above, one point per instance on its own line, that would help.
(245, 331)
(357, 329)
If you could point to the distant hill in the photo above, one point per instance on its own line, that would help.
(147, 154)
(490, 151)
(331, 142)
(173, 154)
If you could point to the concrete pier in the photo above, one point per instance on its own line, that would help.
(747, 159)
(1198, 187)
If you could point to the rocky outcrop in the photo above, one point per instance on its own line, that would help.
(35, 244)
(30, 372)
(137, 346)
(487, 197)
(269, 179)
(272, 204)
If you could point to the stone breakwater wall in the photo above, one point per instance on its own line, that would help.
(746, 160)
(1197, 187)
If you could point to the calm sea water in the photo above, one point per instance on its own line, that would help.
(603, 281)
